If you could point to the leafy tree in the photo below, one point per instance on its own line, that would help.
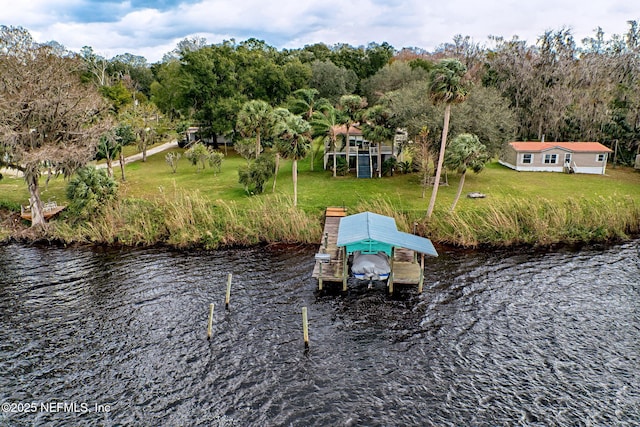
(89, 190)
(109, 148)
(172, 160)
(126, 136)
(485, 113)
(167, 91)
(198, 155)
(293, 133)
(332, 81)
(118, 96)
(391, 77)
(422, 157)
(215, 161)
(47, 115)
(466, 152)
(447, 86)
(255, 121)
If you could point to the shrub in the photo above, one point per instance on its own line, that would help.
(172, 160)
(256, 174)
(89, 190)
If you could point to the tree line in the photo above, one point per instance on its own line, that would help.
(552, 89)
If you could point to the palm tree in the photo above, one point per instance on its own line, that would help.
(351, 107)
(293, 134)
(254, 121)
(278, 115)
(378, 128)
(466, 151)
(324, 123)
(446, 87)
(305, 104)
(109, 148)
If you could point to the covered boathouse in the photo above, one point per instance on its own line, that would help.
(368, 246)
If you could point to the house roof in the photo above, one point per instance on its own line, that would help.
(582, 147)
(353, 130)
(368, 226)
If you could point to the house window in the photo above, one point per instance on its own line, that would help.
(551, 158)
(567, 157)
(600, 158)
(527, 158)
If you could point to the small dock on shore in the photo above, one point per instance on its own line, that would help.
(49, 210)
(332, 258)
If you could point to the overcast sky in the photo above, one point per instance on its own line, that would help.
(152, 28)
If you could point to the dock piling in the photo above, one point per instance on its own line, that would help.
(305, 327)
(210, 327)
(228, 295)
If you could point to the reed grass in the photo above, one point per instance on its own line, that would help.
(541, 223)
(186, 219)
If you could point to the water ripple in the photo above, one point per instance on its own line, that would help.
(529, 338)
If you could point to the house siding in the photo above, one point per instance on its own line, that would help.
(581, 161)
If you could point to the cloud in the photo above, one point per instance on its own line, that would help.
(152, 28)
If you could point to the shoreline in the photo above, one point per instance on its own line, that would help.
(20, 233)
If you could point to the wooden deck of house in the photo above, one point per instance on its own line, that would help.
(406, 267)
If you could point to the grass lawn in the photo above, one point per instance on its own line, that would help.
(319, 189)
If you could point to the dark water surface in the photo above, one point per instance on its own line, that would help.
(95, 337)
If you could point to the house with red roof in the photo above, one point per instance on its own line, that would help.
(570, 157)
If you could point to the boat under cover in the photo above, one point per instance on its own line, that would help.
(370, 266)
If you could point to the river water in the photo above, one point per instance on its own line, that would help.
(106, 337)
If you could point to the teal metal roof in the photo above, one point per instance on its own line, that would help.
(371, 232)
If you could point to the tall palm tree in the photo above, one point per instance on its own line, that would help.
(255, 121)
(446, 86)
(466, 152)
(324, 123)
(293, 133)
(279, 114)
(378, 128)
(351, 107)
(305, 103)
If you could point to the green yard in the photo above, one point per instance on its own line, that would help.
(520, 207)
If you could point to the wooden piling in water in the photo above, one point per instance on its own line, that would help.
(210, 327)
(228, 295)
(305, 327)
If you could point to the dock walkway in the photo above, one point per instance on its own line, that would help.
(406, 267)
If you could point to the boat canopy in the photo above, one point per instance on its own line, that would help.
(371, 233)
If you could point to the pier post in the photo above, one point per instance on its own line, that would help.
(421, 279)
(320, 276)
(305, 327)
(390, 279)
(210, 327)
(228, 295)
(345, 268)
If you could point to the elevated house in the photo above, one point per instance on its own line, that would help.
(362, 154)
(569, 157)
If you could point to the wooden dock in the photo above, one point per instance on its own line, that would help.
(49, 210)
(407, 268)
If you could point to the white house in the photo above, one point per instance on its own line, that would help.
(572, 157)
